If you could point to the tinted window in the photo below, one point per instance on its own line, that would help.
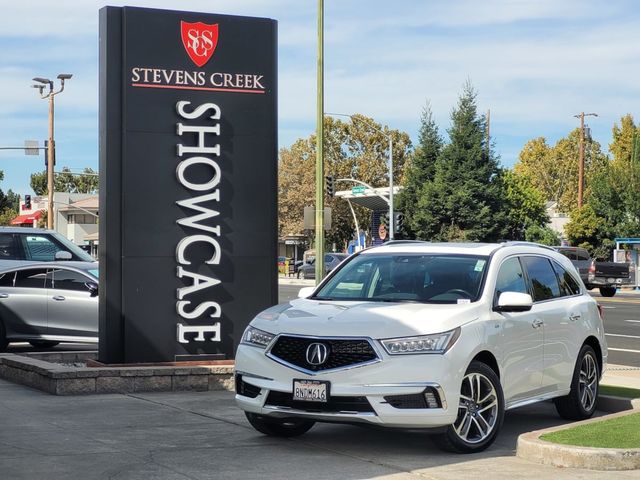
(542, 277)
(431, 278)
(68, 280)
(31, 278)
(568, 285)
(510, 278)
(8, 247)
(582, 255)
(570, 254)
(6, 279)
(40, 248)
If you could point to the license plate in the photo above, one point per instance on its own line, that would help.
(311, 390)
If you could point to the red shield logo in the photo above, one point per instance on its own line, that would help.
(199, 40)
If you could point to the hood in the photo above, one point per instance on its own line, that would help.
(368, 319)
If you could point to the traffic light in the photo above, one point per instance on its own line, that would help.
(398, 222)
(27, 202)
(331, 187)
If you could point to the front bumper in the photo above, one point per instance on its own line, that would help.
(396, 375)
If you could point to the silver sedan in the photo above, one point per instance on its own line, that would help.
(45, 304)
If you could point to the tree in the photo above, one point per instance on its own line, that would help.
(463, 202)
(554, 171)
(420, 170)
(356, 149)
(524, 207)
(544, 235)
(586, 229)
(65, 181)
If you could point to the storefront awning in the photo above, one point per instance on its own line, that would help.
(22, 219)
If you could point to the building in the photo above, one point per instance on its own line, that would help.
(75, 216)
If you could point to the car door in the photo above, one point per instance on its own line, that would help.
(522, 337)
(23, 303)
(550, 306)
(71, 305)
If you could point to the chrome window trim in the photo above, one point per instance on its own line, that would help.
(330, 370)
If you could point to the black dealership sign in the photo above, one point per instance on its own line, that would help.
(188, 182)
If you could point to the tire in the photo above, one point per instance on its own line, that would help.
(581, 401)
(3, 337)
(607, 291)
(485, 403)
(43, 343)
(288, 427)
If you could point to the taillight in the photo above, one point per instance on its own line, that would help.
(592, 268)
(601, 311)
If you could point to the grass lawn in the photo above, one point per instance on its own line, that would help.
(619, 391)
(621, 432)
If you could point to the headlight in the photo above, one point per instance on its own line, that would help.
(256, 338)
(436, 343)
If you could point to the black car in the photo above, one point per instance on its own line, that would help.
(331, 261)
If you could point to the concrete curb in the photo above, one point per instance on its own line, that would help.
(296, 281)
(531, 448)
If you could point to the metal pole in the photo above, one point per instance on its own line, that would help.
(391, 219)
(581, 162)
(355, 220)
(50, 184)
(319, 264)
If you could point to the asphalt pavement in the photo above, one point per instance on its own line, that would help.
(203, 435)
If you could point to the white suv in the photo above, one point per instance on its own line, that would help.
(422, 335)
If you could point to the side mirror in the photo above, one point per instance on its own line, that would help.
(63, 255)
(92, 287)
(305, 292)
(514, 302)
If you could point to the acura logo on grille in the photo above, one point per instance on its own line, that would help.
(317, 353)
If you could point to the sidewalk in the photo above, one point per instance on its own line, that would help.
(621, 376)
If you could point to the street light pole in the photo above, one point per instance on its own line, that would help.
(319, 264)
(51, 147)
(581, 156)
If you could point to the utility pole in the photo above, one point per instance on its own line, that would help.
(51, 150)
(581, 158)
(319, 266)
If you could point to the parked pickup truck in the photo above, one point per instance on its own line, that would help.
(606, 276)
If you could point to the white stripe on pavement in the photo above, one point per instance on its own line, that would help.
(618, 335)
(622, 350)
(633, 321)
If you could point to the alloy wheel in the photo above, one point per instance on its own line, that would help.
(478, 408)
(588, 382)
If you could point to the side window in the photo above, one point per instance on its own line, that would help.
(568, 285)
(8, 248)
(543, 279)
(68, 280)
(510, 277)
(31, 278)
(6, 279)
(40, 248)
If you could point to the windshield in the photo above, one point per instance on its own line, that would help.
(429, 278)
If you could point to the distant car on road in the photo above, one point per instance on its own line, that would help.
(331, 261)
(606, 276)
(48, 303)
(34, 245)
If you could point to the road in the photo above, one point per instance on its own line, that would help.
(622, 327)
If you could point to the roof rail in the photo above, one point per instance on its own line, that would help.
(517, 243)
(399, 242)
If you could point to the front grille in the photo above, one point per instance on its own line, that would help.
(341, 353)
(334, 405)
(246, 389)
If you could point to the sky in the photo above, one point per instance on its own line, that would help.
(534, 63)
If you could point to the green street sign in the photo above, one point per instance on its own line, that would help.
(357, 190)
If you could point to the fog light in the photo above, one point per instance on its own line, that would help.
(432, 401)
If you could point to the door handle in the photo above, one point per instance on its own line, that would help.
(4, 295)
(574, 318)
(537, 323)
(59, 298)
